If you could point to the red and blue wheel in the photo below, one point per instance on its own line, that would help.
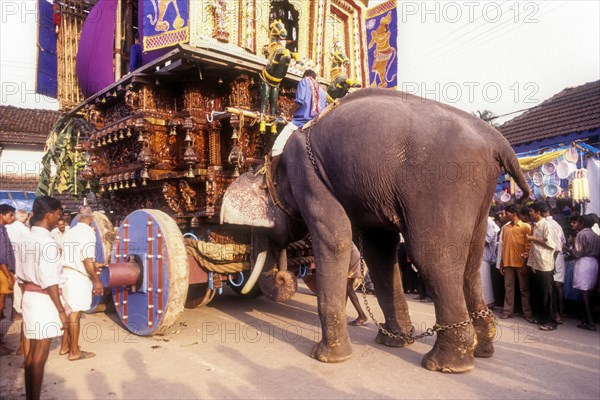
(152, 240)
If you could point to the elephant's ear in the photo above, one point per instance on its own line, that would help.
(246, 203)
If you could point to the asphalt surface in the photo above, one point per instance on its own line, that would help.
(253, 348)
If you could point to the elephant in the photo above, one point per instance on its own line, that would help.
(378, 163)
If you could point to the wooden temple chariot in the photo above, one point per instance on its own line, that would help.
(165, 141)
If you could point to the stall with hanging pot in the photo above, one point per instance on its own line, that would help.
(557, 172)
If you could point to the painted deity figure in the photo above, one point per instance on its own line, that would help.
(384, 52)
(172, 197)
(188, 195)
(340, 83)
(160, 9)
(278, 62)
(219, 10)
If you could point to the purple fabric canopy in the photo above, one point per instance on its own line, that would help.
(94, 63)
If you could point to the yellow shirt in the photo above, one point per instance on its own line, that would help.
(514, 243)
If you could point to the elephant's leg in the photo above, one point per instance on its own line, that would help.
(380, 250)
(332, 242)
(440, 255)
(484, 326)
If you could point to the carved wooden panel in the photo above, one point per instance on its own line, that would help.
(240, 96)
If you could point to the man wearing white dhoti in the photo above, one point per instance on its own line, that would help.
(17, 231)
(39, 277)
(489, 257)
(80, 280)
(586, 249)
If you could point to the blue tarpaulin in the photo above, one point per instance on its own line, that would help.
(19, 200)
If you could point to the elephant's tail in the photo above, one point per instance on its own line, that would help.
(508, 160)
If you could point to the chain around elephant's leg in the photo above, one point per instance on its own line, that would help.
(483, 320)
(379, 247)
(452, 351)
(443, 275)
(485, 329)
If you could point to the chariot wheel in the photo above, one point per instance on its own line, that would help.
(105, 236)
(152, 240)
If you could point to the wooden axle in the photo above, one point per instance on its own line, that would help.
(120, 274)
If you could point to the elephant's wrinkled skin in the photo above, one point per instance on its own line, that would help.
(388, 162)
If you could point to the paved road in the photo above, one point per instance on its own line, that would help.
(239, 348)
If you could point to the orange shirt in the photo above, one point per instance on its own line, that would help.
(514, 243)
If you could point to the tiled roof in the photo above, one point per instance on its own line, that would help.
(26, 126)
(572, 110)
(18, 183)
(72, 204)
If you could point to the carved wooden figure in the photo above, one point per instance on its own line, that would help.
(277, 65)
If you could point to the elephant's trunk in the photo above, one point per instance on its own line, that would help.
(256, 271)
(283, 260)
(285, 280)
(281, 277)
(280, 284)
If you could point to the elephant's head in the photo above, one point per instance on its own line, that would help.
(246, 202)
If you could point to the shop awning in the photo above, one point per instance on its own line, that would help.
(19, 200)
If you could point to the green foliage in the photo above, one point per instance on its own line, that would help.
(62, 162)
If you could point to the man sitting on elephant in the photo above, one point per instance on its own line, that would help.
(311, 99)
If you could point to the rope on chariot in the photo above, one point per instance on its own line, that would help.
(219, 258)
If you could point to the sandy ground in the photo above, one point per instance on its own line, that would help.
(253, 348)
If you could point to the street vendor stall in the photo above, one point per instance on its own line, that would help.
(560, 172)
(19, 200)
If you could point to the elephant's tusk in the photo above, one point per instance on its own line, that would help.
(258, 267)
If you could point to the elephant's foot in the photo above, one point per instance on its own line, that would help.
(332, 353)
(486, 332)
(453, 351)
(386, 340)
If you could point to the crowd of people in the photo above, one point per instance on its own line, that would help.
(529, 254)
(51, 273)
(531, 248)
